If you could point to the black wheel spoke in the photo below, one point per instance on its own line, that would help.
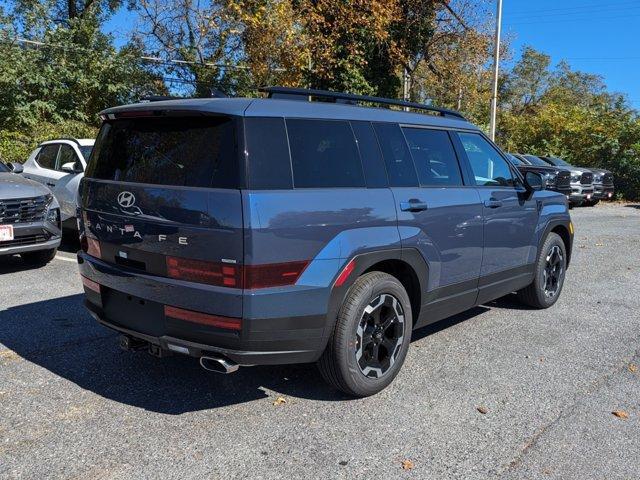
(379, 333)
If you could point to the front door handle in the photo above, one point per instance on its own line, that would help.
(51, 184)
(413, 205)
(492, 203)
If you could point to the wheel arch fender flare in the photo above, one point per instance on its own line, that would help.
(565, 233)
(364, 262)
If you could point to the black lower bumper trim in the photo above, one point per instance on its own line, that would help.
(195, 349)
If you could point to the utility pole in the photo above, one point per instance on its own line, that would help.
(496, 69)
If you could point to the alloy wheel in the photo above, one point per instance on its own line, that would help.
(553, 271)
(379, 335)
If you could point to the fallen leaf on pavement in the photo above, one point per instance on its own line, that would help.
(280, 401)
(582, 246)
(482, 409)
(633, 368)
(407, 464)
(621, 414)
(599, 244)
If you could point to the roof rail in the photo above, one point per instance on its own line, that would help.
(215, 93)
(349, 98)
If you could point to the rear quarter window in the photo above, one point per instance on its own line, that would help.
(179, 151)
(269, 165)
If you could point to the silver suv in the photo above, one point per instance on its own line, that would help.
(29, 217)
(60, 164)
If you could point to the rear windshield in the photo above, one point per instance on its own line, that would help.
(181, 151)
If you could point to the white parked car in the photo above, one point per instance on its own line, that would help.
(60, 164)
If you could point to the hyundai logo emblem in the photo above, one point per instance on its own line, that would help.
(126, 199)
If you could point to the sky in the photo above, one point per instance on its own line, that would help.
(594, 37)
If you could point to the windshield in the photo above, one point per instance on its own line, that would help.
(536, 161)
(181, 151)
(4, 168)
(558, 162)
(86, 151)
(515, 160)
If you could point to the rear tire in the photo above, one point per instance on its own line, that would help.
(550, 270)
(40, 257)
(371, 337)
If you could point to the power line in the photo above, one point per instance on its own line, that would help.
(599, 20)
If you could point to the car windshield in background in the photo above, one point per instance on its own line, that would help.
(4, 168)
(187, 151)
(515, 160)
(86, 151)
(558, 162)
(536, 161)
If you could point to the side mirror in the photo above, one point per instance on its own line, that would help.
(16, 167)
(70, 167)
(533, 181)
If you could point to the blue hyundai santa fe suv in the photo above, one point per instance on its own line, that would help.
(305, 227)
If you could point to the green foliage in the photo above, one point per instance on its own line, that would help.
(16, 145)
(570, 115)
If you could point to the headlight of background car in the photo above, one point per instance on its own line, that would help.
(53, 213)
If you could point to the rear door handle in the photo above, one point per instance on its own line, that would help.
(413, 205)
(492, 203)
(51, 184)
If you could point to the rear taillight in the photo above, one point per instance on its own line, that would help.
(235, 276)
(213, 273)
(93, 247)
(273, 274)
(229, 323)
(90, 284)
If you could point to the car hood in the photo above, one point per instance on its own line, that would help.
(600, 170)
(16, 186)
(541, 169)
(578, 170)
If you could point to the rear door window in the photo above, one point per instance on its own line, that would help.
(324, 154)
(47, 156)
(434, 157)
(181, 151)
(397, 157)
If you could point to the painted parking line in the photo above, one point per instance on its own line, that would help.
(66, 259)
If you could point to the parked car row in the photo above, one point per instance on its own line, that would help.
(581, 186)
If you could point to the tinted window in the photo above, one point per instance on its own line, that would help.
(66, 155)
(269, 166)
(434, 157)
(533, 160)
(396, 155)
(189, 151)
(375, 172)
(47, 156)
(515, 160)
(489, 168)
(86, 151)
(324, 154)
(4, 168)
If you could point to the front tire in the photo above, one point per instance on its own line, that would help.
(40, 257)
(550, 270)
(371, 337)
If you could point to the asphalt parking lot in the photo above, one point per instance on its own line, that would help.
(72, 405)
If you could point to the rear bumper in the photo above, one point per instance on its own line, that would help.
(133, 304)
(602, 192)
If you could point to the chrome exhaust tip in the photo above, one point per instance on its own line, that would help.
(218, 364)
